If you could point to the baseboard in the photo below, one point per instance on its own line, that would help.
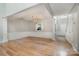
(71, 45)
(0, 42)
(74, 49)
(4, 41)
(18, 35)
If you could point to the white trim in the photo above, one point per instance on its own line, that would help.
(5, 39)
(74, 48)
(18, 35)
(0, 42)
(71, 45)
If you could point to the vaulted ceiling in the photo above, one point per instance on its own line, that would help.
(12, 8)
(42, 11)
(38, 11)
(61, 8)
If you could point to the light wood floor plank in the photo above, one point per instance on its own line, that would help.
(34, 46)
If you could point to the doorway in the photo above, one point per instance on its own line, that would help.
(60, 27)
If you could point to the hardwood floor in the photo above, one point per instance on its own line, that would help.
(34, 46)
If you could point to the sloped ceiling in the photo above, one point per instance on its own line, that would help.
(38, 11)
(57, 8)
(12, 8)
(41, 11)
(61, 8)
(2, 9)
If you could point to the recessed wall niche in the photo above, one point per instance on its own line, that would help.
(39, 27)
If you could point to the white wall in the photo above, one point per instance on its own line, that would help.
(17, 31)
(7, 9)
(19, 35)
(78, 30)
(18, 28)
(72, 29)
(43, 15)
(1, 30)
(2, 13)
(20, 25)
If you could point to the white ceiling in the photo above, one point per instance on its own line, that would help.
(42, 12)
(12, 8)
(39, 11)
(2, 9)
(61, 8)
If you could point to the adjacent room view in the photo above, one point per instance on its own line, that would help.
(39, 29)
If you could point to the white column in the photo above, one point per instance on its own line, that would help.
(1, 30)
(5, 39)
(53, 23)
